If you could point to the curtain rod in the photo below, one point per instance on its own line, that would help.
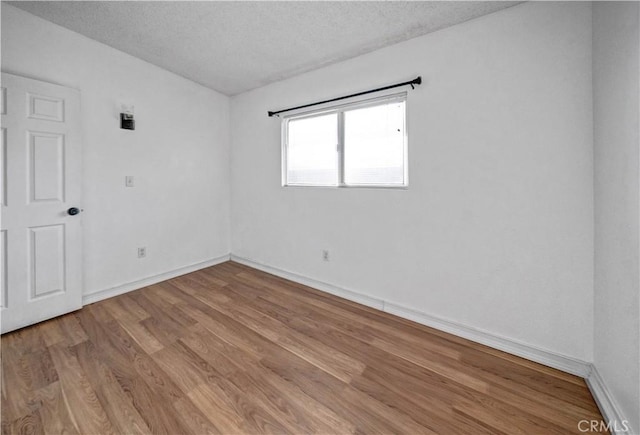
(416, 81)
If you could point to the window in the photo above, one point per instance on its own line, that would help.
(354, 145)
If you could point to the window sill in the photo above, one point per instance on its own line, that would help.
(372, 186)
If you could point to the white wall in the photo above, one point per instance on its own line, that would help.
(616, 67)
(179, 152)
(496, 228)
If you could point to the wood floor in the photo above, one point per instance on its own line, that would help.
(231, 350)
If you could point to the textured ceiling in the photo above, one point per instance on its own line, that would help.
(240, 45)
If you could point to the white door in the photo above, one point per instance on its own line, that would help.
(41, 244)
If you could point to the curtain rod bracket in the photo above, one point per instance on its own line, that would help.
(412, 83)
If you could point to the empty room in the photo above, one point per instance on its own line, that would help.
(328, 217)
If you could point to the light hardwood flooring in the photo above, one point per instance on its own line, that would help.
(230, 349)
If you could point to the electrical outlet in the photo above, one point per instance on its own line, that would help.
(128, 181)
(142, 252)
(325, 255)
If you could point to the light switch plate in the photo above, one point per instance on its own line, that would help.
(128, 181)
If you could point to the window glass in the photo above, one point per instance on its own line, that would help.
(374, 139)
(312, 156)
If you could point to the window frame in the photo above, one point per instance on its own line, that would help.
(340, 149)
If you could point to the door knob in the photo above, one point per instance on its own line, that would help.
(73, 211)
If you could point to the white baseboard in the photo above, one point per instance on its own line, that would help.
(545, 357)
(309, 282)
(99, 295)
(609, 408)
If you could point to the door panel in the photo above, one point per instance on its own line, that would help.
(41, 244)
(46, 166)
(3, 269)
(3, 166)
(3, 100)
(46, 107)
(46, 265)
